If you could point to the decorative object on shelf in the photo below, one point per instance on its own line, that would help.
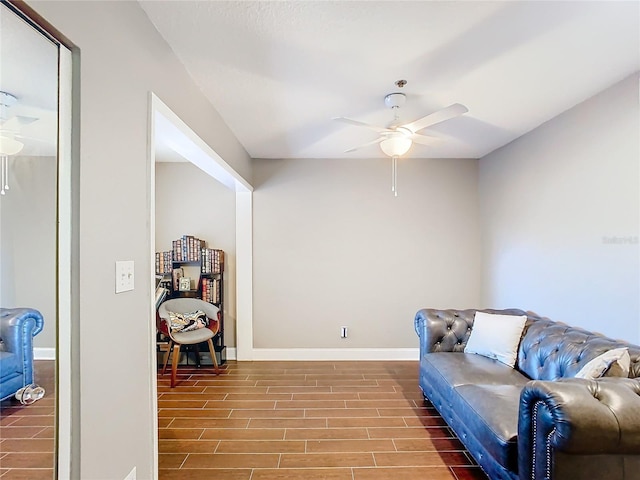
(176, 275)
(185, 284)
(397, 138)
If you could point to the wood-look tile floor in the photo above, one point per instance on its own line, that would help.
(27, 432)
(307, 421)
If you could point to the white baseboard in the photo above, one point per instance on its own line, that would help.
(231, 353)
(41, 353)
(331, 354)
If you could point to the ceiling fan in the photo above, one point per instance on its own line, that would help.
(397, 138)
(10, 127)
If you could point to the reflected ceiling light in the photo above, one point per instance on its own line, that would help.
(9, 146)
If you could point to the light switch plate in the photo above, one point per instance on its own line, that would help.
(124, 276)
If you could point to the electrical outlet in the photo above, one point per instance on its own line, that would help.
(124, 276)
(343, 332)
(132, 475)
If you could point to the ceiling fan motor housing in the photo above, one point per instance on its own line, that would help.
(395, 100)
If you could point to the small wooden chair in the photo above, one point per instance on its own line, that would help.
(192, 337)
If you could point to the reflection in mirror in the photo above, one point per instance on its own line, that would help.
(28, 249)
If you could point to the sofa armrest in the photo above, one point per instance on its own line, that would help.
(577, 417)
(18, 326)
(443, 330)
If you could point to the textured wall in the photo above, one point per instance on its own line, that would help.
(561, 213)
(333, 247)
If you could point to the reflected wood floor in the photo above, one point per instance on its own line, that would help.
(305, 420)
(27, 432)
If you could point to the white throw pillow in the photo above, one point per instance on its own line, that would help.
(496, 336)
(613, 363)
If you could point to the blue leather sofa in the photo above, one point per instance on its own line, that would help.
(18, 326)
(534, 421)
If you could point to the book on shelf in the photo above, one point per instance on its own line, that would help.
(163, 262)
(211, 290)
(212, 260)
(187, 249)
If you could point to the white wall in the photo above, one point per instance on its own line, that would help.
(122, 59)
(28, 241)
(209, 216)
(551, 202)
(334, 247)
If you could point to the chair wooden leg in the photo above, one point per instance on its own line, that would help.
(166, 357)
(174, 364)
(212, 351)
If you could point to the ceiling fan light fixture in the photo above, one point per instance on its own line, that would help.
(396, 146)
(10, 146)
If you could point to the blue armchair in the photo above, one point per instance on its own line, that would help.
(18, 326)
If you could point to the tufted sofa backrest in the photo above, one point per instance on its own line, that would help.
(449, 330)
(548, 350)
(551, 350)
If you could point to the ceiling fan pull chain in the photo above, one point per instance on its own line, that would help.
(6, 172)
(4, 175)
(394, 175)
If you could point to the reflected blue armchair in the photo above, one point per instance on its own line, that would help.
(18, 326)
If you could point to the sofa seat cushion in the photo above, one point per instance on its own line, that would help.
(9, 364)
(490, 412)
(450, 370)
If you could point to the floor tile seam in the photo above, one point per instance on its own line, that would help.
(28, 468)
(13, 420)
(453, 472)
(469, 457)
(39, 432)
(184, 460)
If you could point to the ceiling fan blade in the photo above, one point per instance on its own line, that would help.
(16, 122)
(360, 124)
(425, 139)
(377, 140)
(446, 113)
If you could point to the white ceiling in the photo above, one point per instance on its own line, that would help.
(278, 71)
(29, 71)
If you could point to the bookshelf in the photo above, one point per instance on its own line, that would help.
(191, 269)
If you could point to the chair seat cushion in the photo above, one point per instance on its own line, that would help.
(193, 336)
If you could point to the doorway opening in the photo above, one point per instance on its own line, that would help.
(170, 138)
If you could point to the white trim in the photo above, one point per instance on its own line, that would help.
(42, 353)
(232, 354)
(151, 340)
(244, 275)
(189, 145)
(66, 184)
(336, 354)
